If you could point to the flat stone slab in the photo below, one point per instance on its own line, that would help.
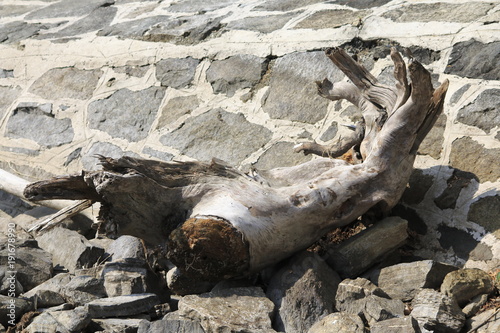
(121, 306)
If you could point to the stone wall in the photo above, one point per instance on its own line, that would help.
(234, 79)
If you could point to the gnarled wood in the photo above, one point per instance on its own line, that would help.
(199, 209)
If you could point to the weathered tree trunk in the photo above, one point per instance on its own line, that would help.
(217, 222)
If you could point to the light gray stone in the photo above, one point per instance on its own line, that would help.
(220, 134)
(305, 285)
(236, 72)
(125, 277)
(325, 19)
(171, 322)
(466, 283)
(475, 305)
(403, 281)
(8, 95)
(437, 312)
(89, 159)
(194, 6)
(263, 24)
(285, 5)
(68, 8)
(122, 325)
(474, 59)
(69, 248)
(485, 322)
(34, 123)
(483, 112)
(121, 306)
(292, 91)
(358, 253)
(396, 325)
(362, 4)
(350, 290)
(161, 155)
(280, 154)
(176, 108)
(133, 29)
(339, 322)
(69, 321)
(126, 114)
(330, 132)
(8, 282)
(126, 247)
(17, 31)
(229, 310)
(83, 289)
(176, 73)
(468, 155)
(5, 73)
(67, 82)
(47, 299)
(54, 284)
(439, 11)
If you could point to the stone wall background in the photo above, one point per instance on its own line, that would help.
(234, 79)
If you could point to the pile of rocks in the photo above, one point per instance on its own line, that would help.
(68, 283)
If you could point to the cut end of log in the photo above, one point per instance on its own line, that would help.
(209, 247)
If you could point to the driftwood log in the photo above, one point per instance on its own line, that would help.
(217, 222)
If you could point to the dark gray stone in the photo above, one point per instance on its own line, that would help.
(350, 290)
(13, 308)
(9, 284)
(125, 277)
(281, 154)
(11, 204)
(285, 5)
(121, 306)
(68, 82)
(292, 91)
(229, 310)
(328, 19)
(32, 264)
(484, 212)
(236, 72)
(460, 241)
(36, 122)
(195, 6)
(83, 289)
(17, 31)
(474, 59)
(439, 11)
(68, 8)
(437, 312)
(396, 325)
(465, 284)
(475, 304)
(131, 70)
(171, 322)
(54, 284)
(363, 4)
(176, 108)
(484, 112)
(403, 281)
(330, 132)
(176, 73)
(126, 247)
(179, 284)
(47, 298)
(74, 155)
(98, 19)
(305, 285)
(8, 95)
(459, 93)
(418, 185)
(218, 134)
(133, 29)
(458, 181)
(263, 24)
(339, 322)
(6, 73)
(161, 155)
(433, 142)
(355, 255)
(69, 248)
(126, 114)
(469, 155)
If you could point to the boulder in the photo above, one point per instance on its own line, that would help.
(339, 322)
(70, 321)
(47, 299)
(55, 284)
(172, 322)
(464, 284)
(403, 281)
(125, 277)
(12, 309)
(126, 247)
(83, 289)
(180, 285)
(396, 325)
(306, 285)
(121, 306)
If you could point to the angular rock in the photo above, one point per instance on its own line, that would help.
(378, 308)
(231, 310)
(90, 162)
(236, 72)
(9, 283)
(403, 281)
(12, 309)
(121, 306)
(36, 122)
(194, 6)
(68, 8)
(340, 322)
(135, 29)
(47, 299)
(54, 284)
(396, 325)
(171, 322)
(220, 134)
(126, 114)
(437, 312)
(326, 19)
(69, 248)
(485, 322)
(483, 112)
(461, 242)
(263, 24)
(292, 89)
(125, 277)
(363, 4)
(176, 73)
(8, 95)
(475, 304)
(16, 31)
(126, 247)
(182, 285)
(305, 285)
(280, 154)
(483, 211)
(358, 253)
(455, 184)
(176, 108)
(116, 325)
(83, 289)
(351, 290)
(440, 11)
(474, 59)
(469, 155)
(71, 321)
(67, 82)
(433, 142)
(284, 5)
(464, 284)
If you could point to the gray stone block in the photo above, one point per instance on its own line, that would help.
(121, 306)
(172, 322)
(483, 112)
(125, 277)
(396, 325)
(126, 247)
(176, 73)
(475, 59)
(340, 322)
